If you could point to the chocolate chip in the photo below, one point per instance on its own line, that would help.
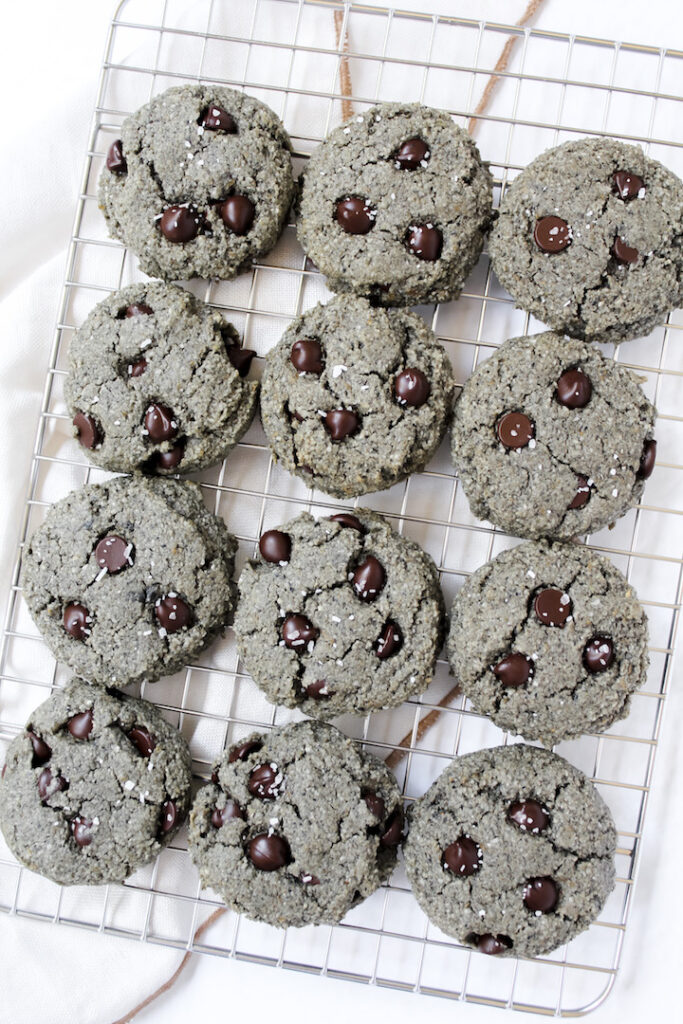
(228, 812)
(528, 815)
(180, 223)
(214, 776)
(275, 546)
(346, 519)
(540, 895)
(240, 358)
(268, 853)
(341, 423)
(626, 185)
(356, 216)
(137, 368)
(515, 430)
(552, 607)
(170, 459)
(48, 784)
(375, 803)
(490, 944)
(87, 430)
(137, 309)
(574, 389)
(411, 387)
(307, 879)
(369, 579)
(80, 830)
(307, 356)
(424, 241)
(318, 690)
(116, 161)
(77, 621)
(298, 631)
(80, 726)
(647, 460)
(160, 423)
(41, 751)
(583, 492)
(143, 739)
(515, 669)
(622, 252)
(242, 752)
(463, 857)
(216, 119)
(172, 613)
(552, 234)
(411, 154)
(598, 654)
(169, 816)
(393, 830)
(390, 640)
(265, 781)
(237, 213)
(114, 553)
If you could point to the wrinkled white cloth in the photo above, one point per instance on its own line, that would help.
(49, 65)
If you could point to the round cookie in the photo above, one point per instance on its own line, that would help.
(551, 439)
(395, 205)
(588, 239)
(549, 641)
(95, 787)
(339, 615)
(296, 826)
(353, 398)
(511, 851)
(199, 184)
(155, 382)
(131, 579)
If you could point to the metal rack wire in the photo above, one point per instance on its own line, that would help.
(555, 87)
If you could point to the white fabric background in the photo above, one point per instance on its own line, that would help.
(49, 61)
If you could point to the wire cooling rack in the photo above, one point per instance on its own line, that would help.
(286, 53)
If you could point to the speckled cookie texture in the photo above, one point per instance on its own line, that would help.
(551, 439)
(156, 382)
(297, 826)
(549, 641)
(339, 615)
(395, 205)
(95, 787)
(511, 851)
(129, 580)
(354, 399)
(200, 182)
(588, 239)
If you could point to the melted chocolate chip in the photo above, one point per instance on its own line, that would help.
(390, 640)
(137, 368)
(265, 781)
(41, 751)
(80, 726)
(622, 252)
(77, 621)
(528, 815)
(237, 213)
(342, 423)
(143, 739)
(298, 631)
(411, 154)
(369, 579)
(114, 553)
(346, 519)
(598, 654)
(169, 816)
(490, 944)
(87, 430)
(647, 460)
(375, 803)
(515, 430)
(393, 830)
(318, 690)
(552, 607)
(552, 234)
(463, 857)
(48, 784)
(81, 831)
(172, 613)
(137, 309)
(242, 752)
(411, 387)
(268, 853)
(160, 423)
(180, 223)
(424, 241)
(540, 895)
(307, 356)
(356, 216)
(583, 492)
(215, 119)
(116, 161)
(574, 389)
(240, 358)
(515, 669)
(170, 459)
(275, 546)
(626, 185)
(230, 810)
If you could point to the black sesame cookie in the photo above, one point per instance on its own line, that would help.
(353, 398)
(296, 826)
(95, 787)
(339, 615)
(549, 641)
(129, 580)
(156, 382)
(551, 439)
(511, 851)
(395, 205)
(588, 239)
(200, 182)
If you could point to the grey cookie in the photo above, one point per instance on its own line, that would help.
(156, 382)
(588, 239)
(297, 826)
(200, 182)
(551, 439)
(339, 615)
(95, 787)
(549, 641)
(511, 851)
(421, 204)
(129, 580)
(354, 399)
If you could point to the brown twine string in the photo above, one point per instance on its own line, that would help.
(344, 70)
